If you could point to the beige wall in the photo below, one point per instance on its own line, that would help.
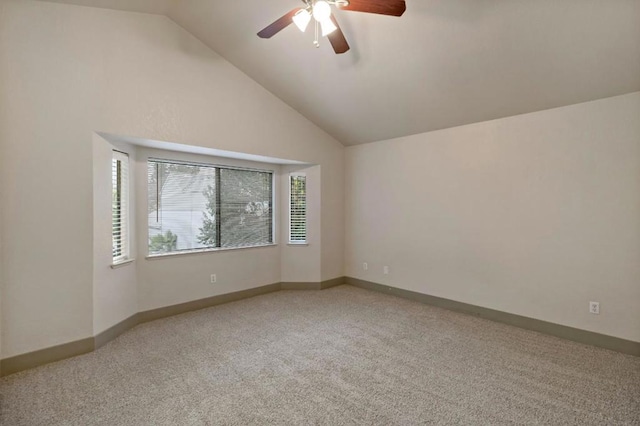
(300, 261)
(168, 280)
(535, 215)
(115, 291)
(150, 283)
(69, 71)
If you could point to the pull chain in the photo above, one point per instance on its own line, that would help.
(316, 43)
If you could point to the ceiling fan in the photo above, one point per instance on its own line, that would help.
(320, 10)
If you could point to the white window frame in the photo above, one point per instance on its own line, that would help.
(290, 212)
(123, 181)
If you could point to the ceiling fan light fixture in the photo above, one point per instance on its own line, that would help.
(321, 11)
(327, 27)
(301, 19)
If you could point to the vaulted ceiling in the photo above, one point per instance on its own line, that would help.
(444, 63)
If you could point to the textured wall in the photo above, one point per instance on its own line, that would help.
(535, 214)
(69, 71)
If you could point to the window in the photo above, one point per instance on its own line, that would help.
(120, 206)
(297, 209)
(199, 206)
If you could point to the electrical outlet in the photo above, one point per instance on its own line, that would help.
(594, 308)
(365, 266)
(214, 279)
(385, 270)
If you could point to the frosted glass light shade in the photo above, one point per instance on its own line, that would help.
(321, 11)
(301, 19)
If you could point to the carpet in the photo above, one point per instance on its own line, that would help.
(338, 356)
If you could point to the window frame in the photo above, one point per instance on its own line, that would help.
(218, 167)
(121, 186)
(290, 211)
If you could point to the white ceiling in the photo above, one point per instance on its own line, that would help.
(158, 7)
(444, 63)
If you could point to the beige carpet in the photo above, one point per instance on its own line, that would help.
(338, 356)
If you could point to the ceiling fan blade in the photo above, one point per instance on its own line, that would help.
(382, 7)
(280, 24)
(338, 42)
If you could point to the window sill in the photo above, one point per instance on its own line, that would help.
(301, 243)
(203, 251)
(121, 263)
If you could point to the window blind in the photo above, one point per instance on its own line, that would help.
(297, 208)
(245, 208)
(120, 206)
(194, 206)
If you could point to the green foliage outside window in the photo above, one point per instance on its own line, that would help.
(163, 243)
